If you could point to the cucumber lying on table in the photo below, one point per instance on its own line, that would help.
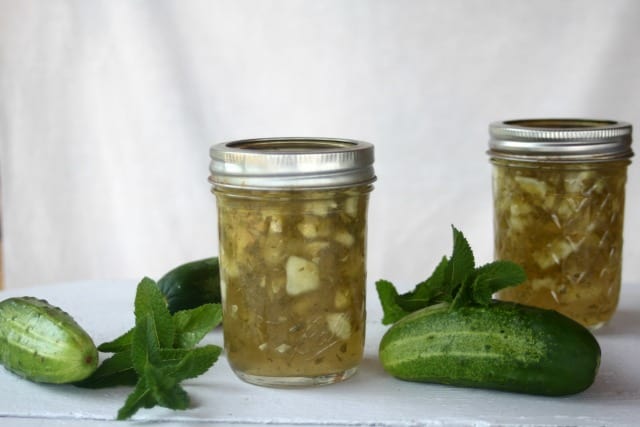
(42, 343)
(191, 285)
(449, 330)
(503, 346)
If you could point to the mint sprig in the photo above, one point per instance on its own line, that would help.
(158, 353)
(455, 281)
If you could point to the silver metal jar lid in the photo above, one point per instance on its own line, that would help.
(560, 140)
(291, 163)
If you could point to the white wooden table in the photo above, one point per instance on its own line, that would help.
(371, 398)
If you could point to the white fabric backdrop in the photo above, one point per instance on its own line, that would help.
(107, 110)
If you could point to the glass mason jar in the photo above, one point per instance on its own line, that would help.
(292, 216)
(559, 191)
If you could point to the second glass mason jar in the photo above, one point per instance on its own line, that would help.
(559, 192)
(292, 216)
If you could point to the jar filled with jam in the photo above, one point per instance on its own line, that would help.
(559, 192)
(292, 216)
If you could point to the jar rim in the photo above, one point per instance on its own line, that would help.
(560, 140)
(291, 163)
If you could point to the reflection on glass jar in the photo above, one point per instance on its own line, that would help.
(293, 261)
(559, 191)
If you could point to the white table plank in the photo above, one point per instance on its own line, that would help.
(370, 398)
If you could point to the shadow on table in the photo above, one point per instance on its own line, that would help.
(371, 364)
(617, 379)
(624, 322)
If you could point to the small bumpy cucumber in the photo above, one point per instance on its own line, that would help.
(42, 343)
(191, 285)
(503, 346)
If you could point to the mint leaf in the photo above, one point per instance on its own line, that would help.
(392, 312)
(149, 301)
(172, 356)
(159, 384)
(447, 283)
(165, 389)
(455, 280)
(122, 343)
(430, 291)
(145, 347)
(463, 294)
(159, 352)
(461, 264)
(192, 325)
(141, 397)
(114, 371)
(197, 362)
(495, 276)
(184, 364)
(175, 398)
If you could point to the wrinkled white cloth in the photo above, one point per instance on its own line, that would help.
(108, 107)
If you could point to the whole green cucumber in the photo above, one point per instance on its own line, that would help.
(42, 343)
(191, 285)
(503, 346)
